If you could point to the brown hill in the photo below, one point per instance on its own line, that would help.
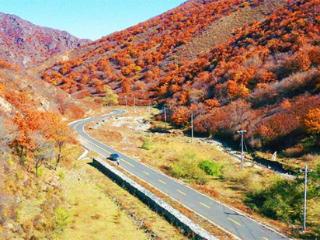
(145, 51)
(235, 64)
(26, 44)
(21, 91)
(219, 31)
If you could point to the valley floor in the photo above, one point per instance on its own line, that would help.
(174, 154)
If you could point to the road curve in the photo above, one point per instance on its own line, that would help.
(227, 218)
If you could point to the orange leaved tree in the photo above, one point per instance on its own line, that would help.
(312, 122)
(58, 132)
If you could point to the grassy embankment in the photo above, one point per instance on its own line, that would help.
(101, 209)
(77, 202)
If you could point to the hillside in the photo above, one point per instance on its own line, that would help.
(143, 53)
(253, 63)
(35, 143)
(21, 91)
(26, 44)
(227, 64)
(45, 191)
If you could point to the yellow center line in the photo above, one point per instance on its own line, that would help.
(127, 162)
(146, 173)
(205, 205)
(264, 238)
(183, 193)
(163, 182)
(96, 144)
(234, 221)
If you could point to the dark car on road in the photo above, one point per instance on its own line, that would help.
(114, 157)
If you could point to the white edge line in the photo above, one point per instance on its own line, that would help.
(181, 182)
(84, 154)
(184, 184)
(225, 205)
(177, 201)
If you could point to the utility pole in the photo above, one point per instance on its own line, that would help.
(192, 127)
(134, 104)
(306, 171)
(165, 113)
(149, 107)
(126, 100)
(305, 198)
(242, 132)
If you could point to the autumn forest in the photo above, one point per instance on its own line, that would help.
(264, 78)
(205, 69)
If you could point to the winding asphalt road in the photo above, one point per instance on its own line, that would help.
(230, 220)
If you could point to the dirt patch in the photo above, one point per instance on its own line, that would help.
(221, 30)
(114, 135)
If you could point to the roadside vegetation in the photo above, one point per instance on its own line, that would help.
(31, 200)
(187, 167)
(44, 192)
(72, 201)
(256, 191)
(283, 200)
(100, 209)
(262, 191)
(261, 74)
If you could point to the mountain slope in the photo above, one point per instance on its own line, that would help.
(137, 56)
(22, 92)
(263, 76)
(26, 44)
(219, 31)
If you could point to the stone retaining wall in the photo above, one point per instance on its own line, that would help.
(187, 226)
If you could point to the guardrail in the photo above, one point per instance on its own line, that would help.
(186, 225)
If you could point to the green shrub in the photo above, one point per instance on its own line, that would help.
(147, 144)
(211, 168)
(61, 175)
(111, 98)
(188, 169)
(62, 218)
(235, 175)
(40, 171)
(283, 201)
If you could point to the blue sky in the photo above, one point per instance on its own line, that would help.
(87, 18)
